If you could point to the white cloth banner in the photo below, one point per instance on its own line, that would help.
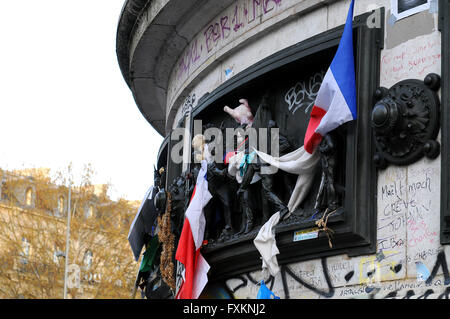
(298, 162)
(266, 244)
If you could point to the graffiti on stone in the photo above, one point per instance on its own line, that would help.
(319, 283)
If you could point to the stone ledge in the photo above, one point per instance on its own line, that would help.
(151, 37)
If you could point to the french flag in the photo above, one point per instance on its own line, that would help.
(336, 100)
(191, 240)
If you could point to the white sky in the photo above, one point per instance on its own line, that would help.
(63, 98)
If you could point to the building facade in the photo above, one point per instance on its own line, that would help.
(388, 236)
(33, 230)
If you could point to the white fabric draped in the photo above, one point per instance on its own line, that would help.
(298, 162)
(266, 244)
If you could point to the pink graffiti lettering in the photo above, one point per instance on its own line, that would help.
(268, 8)
(191, 56)
(225, 27)
(212, 34)
(237, 24)
(255, 4)
(420, 232)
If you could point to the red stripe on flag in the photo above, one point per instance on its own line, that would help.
(312, 139)
(187, 255)
(193, 193)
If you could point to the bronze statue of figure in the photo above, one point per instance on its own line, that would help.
(326, 197)
(268, 179)
(159, 177)
(178, 207)
(218, 212)
(159, 181)
(246, 193)
(267, 183)
(220, 187)
(247, 220)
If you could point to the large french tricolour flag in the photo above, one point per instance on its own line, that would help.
(336, 100)
(191, 240)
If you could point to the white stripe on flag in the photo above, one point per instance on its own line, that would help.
(200, 277)
(194, 213)
(331, 99)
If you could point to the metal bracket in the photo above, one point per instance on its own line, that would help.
(405, 121)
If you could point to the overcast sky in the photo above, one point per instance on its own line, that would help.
(63, 98)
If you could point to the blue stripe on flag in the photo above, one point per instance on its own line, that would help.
(343, 65)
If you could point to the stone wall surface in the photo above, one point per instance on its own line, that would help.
(410, 261)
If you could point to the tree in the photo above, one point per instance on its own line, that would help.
(33, 211)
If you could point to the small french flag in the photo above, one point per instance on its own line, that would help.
(336, 100)
(191, 241)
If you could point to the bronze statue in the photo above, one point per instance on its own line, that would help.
(267, 180)
(220, 187)
(326, 197)
(178, 204)
(159, 181)
(218, 211)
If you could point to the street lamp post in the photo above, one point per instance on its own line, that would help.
(67, 243)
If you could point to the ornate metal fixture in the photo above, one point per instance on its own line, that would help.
(405, 121)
